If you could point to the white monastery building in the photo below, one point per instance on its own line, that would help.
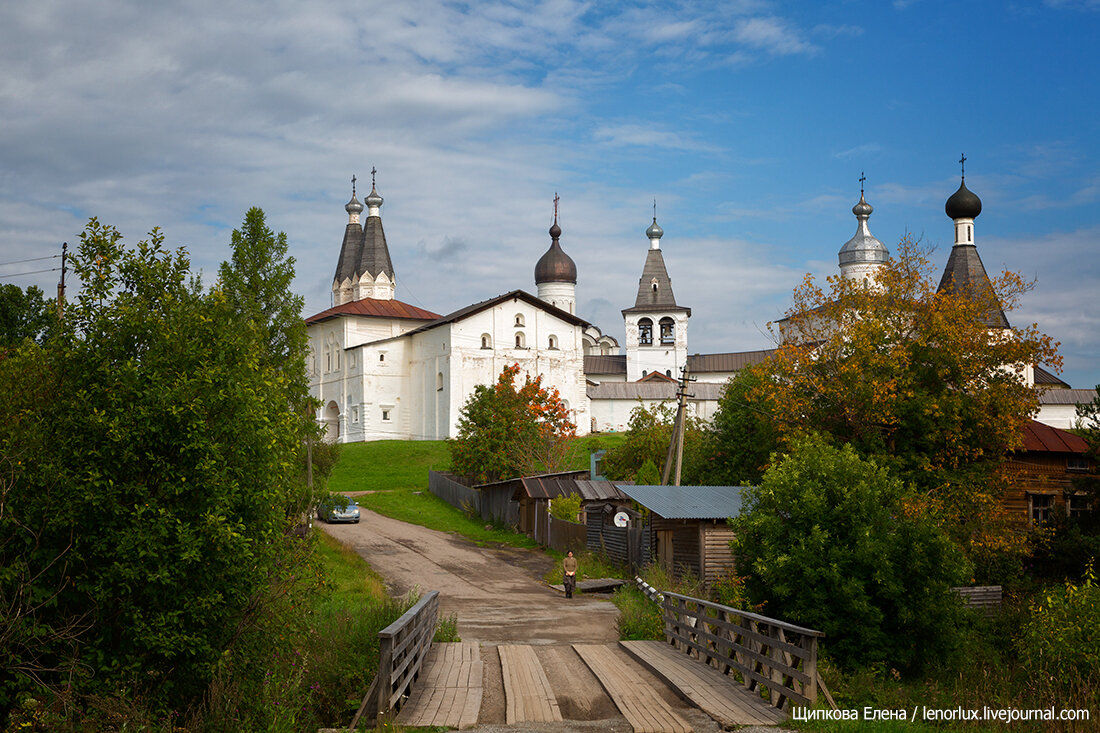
(384, 369)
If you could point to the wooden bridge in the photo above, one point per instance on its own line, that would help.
(737, 667)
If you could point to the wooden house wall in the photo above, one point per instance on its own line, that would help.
(686, 545)
(717, 554)
(1036, 473)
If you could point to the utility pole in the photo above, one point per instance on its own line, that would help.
(676, 444)
(61, 282)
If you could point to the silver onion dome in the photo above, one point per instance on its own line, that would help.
(864, 247)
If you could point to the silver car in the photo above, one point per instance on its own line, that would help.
(338, 511)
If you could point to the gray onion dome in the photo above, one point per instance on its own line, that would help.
(655, 231)
(373, 199)
(963, 204)
(353, 206)
(864, 247)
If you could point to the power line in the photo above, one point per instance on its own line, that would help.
(32, 259)
(32, 272)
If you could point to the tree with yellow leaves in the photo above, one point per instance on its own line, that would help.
(906, 372)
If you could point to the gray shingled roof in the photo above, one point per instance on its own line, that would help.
(687, 502)
(966, 273)
(364, 250)
(660, 299)
(1059, 396)
(1044, 378)
(653, 390)
(550, 488)
(605, 363)
(728, 362)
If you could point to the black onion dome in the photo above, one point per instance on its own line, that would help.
(555, 265)
(963, 204)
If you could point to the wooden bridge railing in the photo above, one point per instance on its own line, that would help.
(402, 647)
(761, 652)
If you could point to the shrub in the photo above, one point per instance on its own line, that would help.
(1060, 644)
(830, 541)
(566, 507)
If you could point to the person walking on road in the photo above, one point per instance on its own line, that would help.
(569, 579)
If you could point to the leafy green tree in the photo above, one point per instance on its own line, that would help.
(157, 461)
(507, 430)
(647, 438)
(24, 314)
(743, 431)
(832, 541)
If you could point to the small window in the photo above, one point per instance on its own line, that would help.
(381, 358)
(668, 330)
(644, 372)
(1078, 505)
(519, 320)
(521, 340)
(355, 414)
(668, 372)
(645, 332)
(439, 382)
(1077, 463)
(486, 341)
(553, 342)
(385, 415)
(653, 284)
(1038, 507)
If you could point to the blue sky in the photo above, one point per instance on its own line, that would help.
(749, 122)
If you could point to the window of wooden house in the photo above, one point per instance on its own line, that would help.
(1077, 463)
(1039, 507)
(1078, 505)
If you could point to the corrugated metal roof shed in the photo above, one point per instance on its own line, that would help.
(687, 502)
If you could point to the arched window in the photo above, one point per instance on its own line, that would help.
(668, 372)
(644, 373)
(653, 284)
(553, 342)
(645, 332)
(486, 341)
(521, 340)
(519, 320)
(668, 330)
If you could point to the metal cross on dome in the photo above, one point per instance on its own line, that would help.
(962, 164)
(373, 170)
(862, 178)
(353, 186)
(556, 199)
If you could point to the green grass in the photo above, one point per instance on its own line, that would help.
(396, 472)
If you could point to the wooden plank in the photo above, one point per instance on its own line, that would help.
(635, 698)
(719, 696)
(527, 692)
(450, 689)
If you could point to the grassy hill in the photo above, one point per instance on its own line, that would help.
(395, 473)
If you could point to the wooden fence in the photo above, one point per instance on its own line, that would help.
(983, 598)
(401, 650)
(454, 493)
(565, 535)
(626, 545)
(762, 653)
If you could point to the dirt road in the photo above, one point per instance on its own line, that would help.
(497, 593)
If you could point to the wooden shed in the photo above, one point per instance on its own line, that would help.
(688, 528)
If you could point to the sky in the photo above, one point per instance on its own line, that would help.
(749, 123)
